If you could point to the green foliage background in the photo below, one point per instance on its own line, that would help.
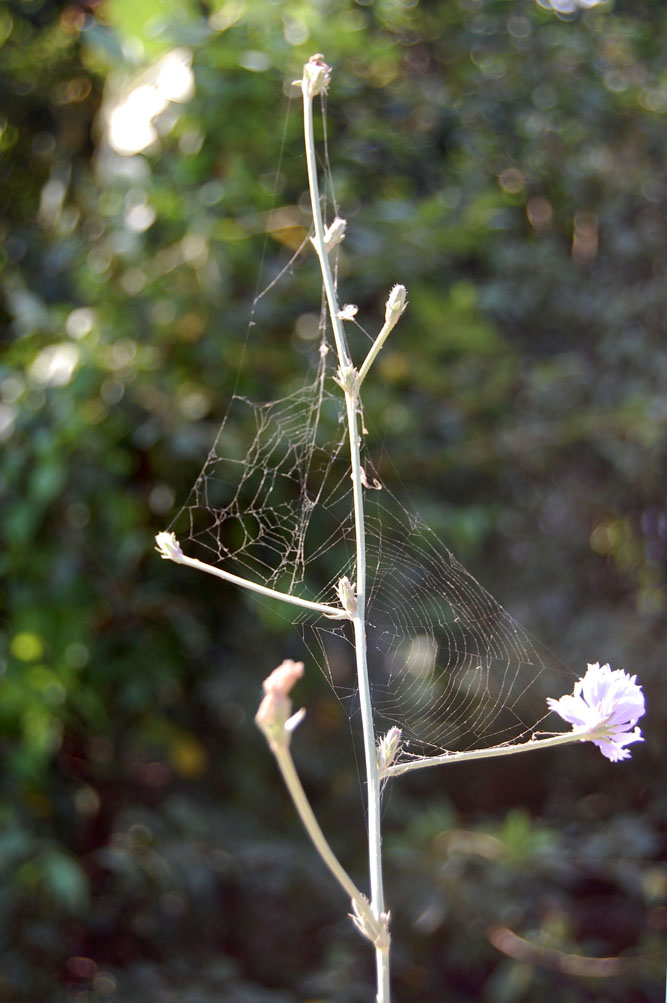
(506, 163)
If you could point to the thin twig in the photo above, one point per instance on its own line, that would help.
(492, 753)
(364, 918)
(169, 548)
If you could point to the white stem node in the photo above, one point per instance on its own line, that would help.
(388, 747)
(374, 928)
(347, 596)
(346, 378)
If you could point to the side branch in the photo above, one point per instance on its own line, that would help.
(169, 548)
(277, 722)
(394, 307)
(371, 926)
(492, 753)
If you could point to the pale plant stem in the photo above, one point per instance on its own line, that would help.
(298, 795)
(359, 617)
(331, 611)
(493, 753)
(373, 352)
(318, 241)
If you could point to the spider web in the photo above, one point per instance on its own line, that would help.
(273, 503)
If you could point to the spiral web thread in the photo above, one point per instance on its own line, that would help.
(273, 504)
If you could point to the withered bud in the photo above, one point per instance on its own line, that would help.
(168, 547)
(347, 595)
(335, 233)
(316, 75)
(396, 304)
(348, 312)
(275, 711)
(388, 747)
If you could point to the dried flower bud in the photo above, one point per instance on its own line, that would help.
(388, 747)
(282, 679)
(274, 716)
(168, 547)
(395, 305)
(335, 233)
(346, 378)
(347, 595)
(316, 76)
(375, 928)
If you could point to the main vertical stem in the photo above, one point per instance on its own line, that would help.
(359, 620)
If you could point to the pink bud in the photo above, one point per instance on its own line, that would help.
(282, 679)
(276, 707)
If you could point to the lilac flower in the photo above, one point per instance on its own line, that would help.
(604, 707)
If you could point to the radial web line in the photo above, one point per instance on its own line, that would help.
(273, 504)
(448, 664)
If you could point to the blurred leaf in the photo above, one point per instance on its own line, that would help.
(65, 880)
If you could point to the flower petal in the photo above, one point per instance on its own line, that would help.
(604, 706)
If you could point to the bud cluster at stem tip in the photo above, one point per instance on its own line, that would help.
(395, 305)
(387, 748)
(316, 76)
(168, 547)
(275, 716)
(335, 233)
